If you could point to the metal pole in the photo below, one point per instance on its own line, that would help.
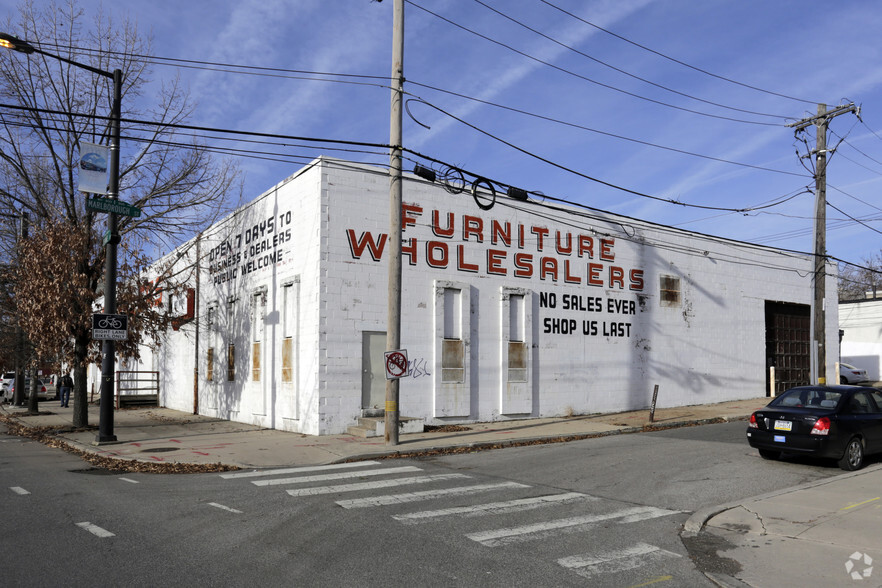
(108, 360)
(198, 318)
(393, 329)
(818, 308)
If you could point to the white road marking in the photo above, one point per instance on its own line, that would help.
(535, 531)
(374, 484)
(227, 508)
(425, 495)
(19, 490)
(129, 480)
(588, 565)
(335, 466)
(95, 530)
(336, 476)
(520, 504)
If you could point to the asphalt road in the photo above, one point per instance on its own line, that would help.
(599, 512)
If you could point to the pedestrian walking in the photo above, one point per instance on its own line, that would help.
(64, 389)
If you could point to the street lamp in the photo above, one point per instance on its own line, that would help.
(105, 419)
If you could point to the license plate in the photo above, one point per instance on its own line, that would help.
(783, 425)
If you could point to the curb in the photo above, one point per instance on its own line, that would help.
(527, 441)
(696, 523)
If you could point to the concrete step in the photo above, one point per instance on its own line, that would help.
(129, 400)
(376, 426)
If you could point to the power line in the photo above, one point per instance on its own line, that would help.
(199, 128)
(233, 67)
(624, 72)
(677, 61)
(585, 78)
(599, 132)
(575, 172)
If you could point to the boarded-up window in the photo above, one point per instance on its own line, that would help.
(258, 304)
(255, 361)
(290, 294)
(452, 360)
(231, 363)
(452, 346)
(517, 361)
(209, 365)
(669, 291)
(287, 360)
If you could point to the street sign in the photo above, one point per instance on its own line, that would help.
(110, 326)
(110, 205)
(396, 364)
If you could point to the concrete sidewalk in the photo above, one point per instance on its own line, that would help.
(161, 435)
(824, 533)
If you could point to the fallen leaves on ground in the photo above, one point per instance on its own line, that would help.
(445, 429)
(48, 436)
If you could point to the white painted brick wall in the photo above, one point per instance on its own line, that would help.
(709, 348)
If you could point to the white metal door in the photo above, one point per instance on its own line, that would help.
(373, 370)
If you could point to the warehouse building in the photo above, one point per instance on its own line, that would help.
(512, 308)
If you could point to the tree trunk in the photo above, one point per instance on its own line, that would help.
(33, 407)
(80, 394)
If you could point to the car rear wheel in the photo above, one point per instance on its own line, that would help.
(853, 458)
(769, 454)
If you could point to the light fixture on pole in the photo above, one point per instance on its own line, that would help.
(105, 419)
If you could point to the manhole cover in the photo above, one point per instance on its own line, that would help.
(160, 450)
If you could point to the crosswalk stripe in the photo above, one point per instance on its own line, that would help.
(425, 495)
(19, 490)
(282, 471)
(95, 530)
(222, 507)
(520, 504)
(535, 531)
(374, 484)
(588, 565)
(336, 476)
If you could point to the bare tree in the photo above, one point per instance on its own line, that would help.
(177, 184)
(859, 282)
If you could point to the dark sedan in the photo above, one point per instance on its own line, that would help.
(839, 422)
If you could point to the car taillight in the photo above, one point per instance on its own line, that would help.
(822, 426)
(752, 422)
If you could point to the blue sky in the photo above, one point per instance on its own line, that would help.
(611, 125)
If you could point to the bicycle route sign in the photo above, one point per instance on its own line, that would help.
(396, 364)
(110, 326)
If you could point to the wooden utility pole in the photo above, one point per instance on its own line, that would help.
(821, 121)
(393, 327)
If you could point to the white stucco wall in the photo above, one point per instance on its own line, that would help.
(861, 325)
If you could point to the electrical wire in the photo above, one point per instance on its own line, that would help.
(597, 131)
(624, 72)
(677, 61)
(585, 78)
(575, 172)
(257, 70)
(198, 128)
(860, 222)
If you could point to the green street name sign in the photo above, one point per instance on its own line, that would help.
(108, 205)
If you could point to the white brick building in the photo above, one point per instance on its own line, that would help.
(523, 310)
